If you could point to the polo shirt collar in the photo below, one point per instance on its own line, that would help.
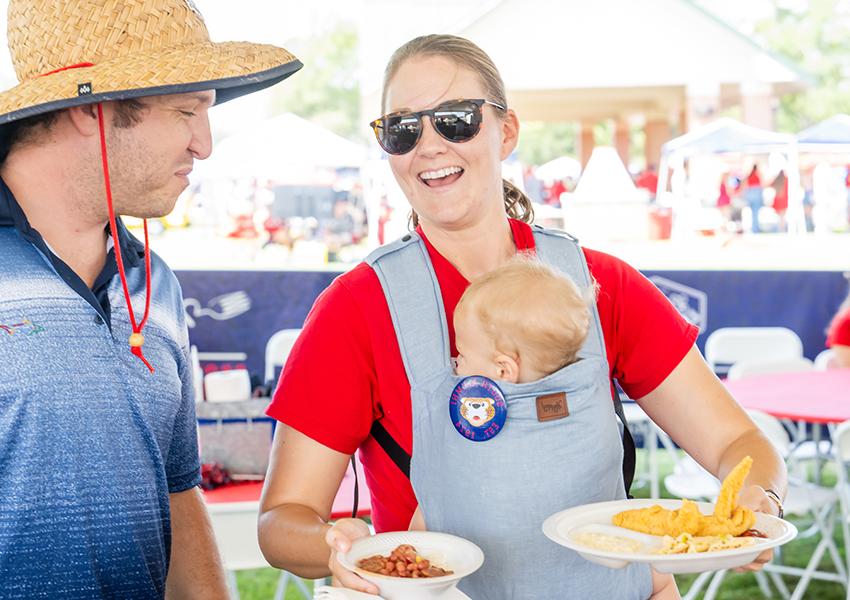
(12, 215)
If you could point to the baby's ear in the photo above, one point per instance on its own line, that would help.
(508, 368)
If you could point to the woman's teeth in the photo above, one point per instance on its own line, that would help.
(441, 177)
(440, 173)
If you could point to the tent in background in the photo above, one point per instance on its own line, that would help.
(286, 148)
(559, 168)
(831, 135)
(725, 136)
(728, 136)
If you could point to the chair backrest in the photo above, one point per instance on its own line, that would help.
(235, 528)
(773, 429)
(227, 386)
(748, 368)
(728, 345)
(826, 360)
(841, 441)
(841, 444)
(277, 349)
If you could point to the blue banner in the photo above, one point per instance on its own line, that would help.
(232, 314)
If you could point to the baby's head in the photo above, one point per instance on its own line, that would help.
(520, 322)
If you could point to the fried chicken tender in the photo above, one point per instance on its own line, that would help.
(731, 487)
(727, 518)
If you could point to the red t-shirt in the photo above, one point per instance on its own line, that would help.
(346, 369)
(839, 330)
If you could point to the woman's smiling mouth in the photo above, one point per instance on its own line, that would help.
(441, 177)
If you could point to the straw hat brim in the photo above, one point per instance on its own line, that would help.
(231, 68)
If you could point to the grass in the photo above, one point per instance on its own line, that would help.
(260, 584)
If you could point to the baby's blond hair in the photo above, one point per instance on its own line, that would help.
(531, 310)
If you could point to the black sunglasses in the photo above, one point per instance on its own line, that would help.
(456, 120)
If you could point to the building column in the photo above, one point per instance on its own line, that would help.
(622, 139)
(657, 132)
(703, 104)
(585, 142)
(757, 104)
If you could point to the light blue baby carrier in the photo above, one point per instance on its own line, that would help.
(497, 493)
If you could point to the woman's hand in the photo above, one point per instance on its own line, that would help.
(339, 537)
(756, 499)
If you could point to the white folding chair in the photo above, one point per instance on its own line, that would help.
(758, 366)
(826, 360)
(233, 385)
(277, 350)
(235, 528)
(841, 443)
(804, 499)
(728, 345)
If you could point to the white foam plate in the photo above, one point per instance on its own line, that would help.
(442, 549)
(562, 527)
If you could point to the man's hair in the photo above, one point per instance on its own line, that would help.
(24, 131)
(531, 310)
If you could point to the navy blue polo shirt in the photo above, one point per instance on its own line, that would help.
(91, 443)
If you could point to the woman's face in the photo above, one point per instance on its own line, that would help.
(472, 190)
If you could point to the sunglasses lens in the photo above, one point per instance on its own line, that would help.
(398, 134)
(458, 122)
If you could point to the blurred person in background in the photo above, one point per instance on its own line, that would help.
(780, 199)
(838, 335)
(753, 194)
(533, 185)
(648, 180)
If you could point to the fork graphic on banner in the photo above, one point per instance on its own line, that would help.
(221, 308)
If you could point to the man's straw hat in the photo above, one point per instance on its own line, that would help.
(74, 52)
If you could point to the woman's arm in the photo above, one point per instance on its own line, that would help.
(699, 414)
(301, 484)
(842, 356)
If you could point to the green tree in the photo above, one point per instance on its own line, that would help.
(327, 90)
(541, 142)
(816, 36)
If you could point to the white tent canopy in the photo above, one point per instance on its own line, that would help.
(559, 168)
(830, 135)
(727, 136)
(283, 148)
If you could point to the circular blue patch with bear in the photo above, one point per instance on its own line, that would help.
(477, 408)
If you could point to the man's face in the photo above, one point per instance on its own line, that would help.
(150, 161)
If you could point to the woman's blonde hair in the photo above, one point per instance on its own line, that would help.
(531, 310)
(468, 55)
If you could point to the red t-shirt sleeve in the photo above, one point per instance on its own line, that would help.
(645, 336)
(839, 330)
(325, 387)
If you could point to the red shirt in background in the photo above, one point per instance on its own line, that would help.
(648, 180)
(346, 369)
(839, 329)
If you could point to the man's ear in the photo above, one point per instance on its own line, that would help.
(84, 119)
(508, 368)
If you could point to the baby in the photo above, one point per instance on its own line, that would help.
(522, 322)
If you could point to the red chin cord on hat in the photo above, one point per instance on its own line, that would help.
(137, 340)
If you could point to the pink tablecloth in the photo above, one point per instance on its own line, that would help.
(812, 396)
(343, 503)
